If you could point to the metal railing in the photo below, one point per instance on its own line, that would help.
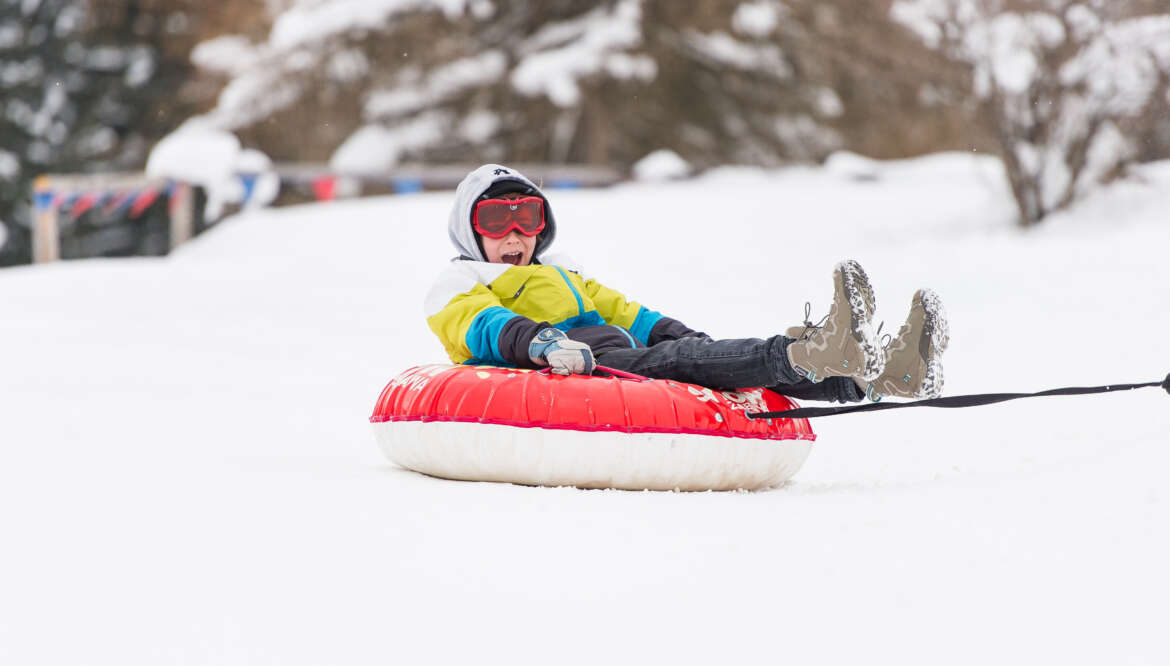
(69, 196)
(60, 200)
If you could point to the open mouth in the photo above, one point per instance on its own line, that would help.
(512, 258)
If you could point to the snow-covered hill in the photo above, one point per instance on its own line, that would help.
(187, 475)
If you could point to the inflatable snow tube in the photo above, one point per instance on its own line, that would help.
(485, 423)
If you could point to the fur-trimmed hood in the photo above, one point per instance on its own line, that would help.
(492, 179)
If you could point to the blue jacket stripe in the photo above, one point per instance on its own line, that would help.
(576, 294)
(643, 323)
(483, 337)
(628, 336)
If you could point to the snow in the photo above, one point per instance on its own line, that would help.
(443, 82)
(265, 77)
(1105, 73)
(626, 67)
(756, 19)
(227, 53)
(255, 94)
(661, 165)
(140, 68)
(803, 135)
(1083, 21)
(851, 166)
(38, 122)
(1118, 62)
(828, 103)
(69, 20)
(724, 49)
(479, 125)
(561, 53)
(201, 154)
(92, 142)
(1008, 46)
(922, 17)
(1120, 67)
(260, 73)
(482, 9)
(9, 165)
(106, 58)
(348, 65)
(314, 20)
(394, 102)
(266, 186)
(187, 474)
(11, 34)
(13, 74)
(195, 153)
(375, 148)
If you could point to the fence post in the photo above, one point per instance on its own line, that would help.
(182, 209)
(46, 241)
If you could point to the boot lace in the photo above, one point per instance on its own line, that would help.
(809, 327)
(883, 339)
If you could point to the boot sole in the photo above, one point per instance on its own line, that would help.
(861, 304)
(863, 287)
(937, 329)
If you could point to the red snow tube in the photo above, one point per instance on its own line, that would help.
(503, 424)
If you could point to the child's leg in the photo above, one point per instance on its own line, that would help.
(843, 348)
(728, 365)
(717, 364)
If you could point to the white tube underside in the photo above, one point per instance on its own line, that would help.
(629, 461)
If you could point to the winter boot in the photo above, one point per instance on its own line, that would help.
(844, 345)
(913, 365)
(805, 330)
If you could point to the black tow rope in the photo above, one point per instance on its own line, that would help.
(954, 401)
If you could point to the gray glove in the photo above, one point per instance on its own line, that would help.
(553, 348)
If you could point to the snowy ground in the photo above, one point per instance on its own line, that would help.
(187, 475)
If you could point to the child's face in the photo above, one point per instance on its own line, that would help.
(515, 249)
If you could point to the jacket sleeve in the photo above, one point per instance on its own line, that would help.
(647, 326)
(474, 326)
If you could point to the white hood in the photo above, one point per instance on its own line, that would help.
(471, 189)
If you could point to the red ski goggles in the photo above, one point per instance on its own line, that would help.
(496, 218)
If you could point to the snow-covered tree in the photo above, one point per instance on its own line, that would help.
(367, 84)
(1068, 86)
(87, 85)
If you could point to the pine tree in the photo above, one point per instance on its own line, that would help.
(87, 85)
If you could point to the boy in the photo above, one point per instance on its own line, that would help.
(504, 302)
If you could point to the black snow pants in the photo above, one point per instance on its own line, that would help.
(727, 365)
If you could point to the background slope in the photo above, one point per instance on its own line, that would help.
(187, 475)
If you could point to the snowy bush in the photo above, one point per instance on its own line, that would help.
(213, 159)
(661, 165)
(1066, 86)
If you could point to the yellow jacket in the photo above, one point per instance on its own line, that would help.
(488, 313)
